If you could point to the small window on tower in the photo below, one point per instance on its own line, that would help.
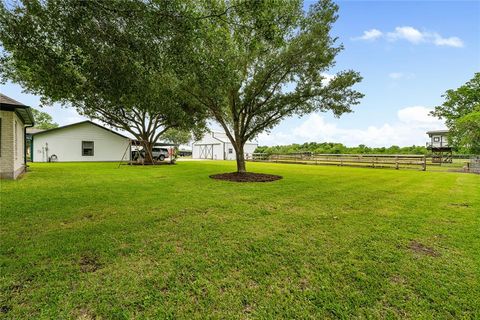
(436, 139)
(230, 150)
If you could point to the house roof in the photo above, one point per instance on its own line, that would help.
(441, 132)
(24, 112)
(7, 100)
(79, 123)
(34, 130)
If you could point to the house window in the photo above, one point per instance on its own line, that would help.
(436, 139)
(87, 148)
(230, 150)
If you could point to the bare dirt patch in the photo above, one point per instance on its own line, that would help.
(246, 177)
(83, 314)
(89, 263)
(5, 309)
(422, 249)
(465, 205)
(397, 279)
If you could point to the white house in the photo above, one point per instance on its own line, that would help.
(14, 119)
(82, 141)
(217, 146)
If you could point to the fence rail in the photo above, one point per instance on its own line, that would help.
(359, 160)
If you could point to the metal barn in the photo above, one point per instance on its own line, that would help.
(217, 146)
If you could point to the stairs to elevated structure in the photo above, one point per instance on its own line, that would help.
(441, 155)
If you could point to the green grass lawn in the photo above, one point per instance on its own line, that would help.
(92, 241)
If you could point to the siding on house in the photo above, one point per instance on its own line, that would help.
(66, 144)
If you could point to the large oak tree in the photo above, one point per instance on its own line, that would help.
(113, 61)
(264, 61)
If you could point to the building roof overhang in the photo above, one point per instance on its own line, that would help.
(23, 112)
(437, 132)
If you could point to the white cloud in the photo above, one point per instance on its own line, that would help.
(417, 116)
(400, 75)
(395, 75)
(407, 33)
(408, 129)
(370, 35)
(451, 42)
(412, 35)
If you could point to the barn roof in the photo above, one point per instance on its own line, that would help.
(24, 112)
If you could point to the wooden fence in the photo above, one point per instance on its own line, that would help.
(358, 160)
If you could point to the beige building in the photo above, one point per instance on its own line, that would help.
(14, 119)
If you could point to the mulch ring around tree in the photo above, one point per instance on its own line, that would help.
(246, 177)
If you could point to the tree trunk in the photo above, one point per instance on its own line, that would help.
(148, 152)
(240, 156)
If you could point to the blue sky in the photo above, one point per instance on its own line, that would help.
(408, 52)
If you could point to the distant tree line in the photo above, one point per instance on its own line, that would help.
(338, 148)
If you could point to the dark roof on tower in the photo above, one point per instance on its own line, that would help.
(440, 132)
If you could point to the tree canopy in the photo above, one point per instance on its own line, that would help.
(265, 61)
(461, 112)
(43, 120)
(148, 66)
(112, 61)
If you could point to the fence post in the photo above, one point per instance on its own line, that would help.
(424, 163)
(396, 162)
